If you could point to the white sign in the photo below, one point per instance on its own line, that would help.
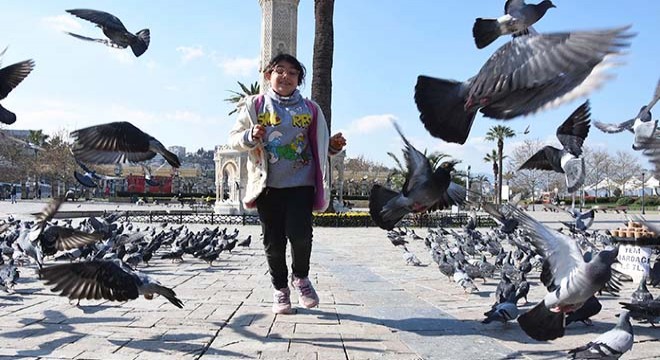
(634, 261)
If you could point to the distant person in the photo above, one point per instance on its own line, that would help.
(13, 194)
(287, 141)
(39, 193)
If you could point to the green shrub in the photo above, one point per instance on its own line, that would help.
(623, 201)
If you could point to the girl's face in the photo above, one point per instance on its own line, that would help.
(283, 78)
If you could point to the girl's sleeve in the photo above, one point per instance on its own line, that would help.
(240, 136)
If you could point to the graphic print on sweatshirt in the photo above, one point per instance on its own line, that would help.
(293, 147)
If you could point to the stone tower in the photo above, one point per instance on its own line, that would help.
(279, 29)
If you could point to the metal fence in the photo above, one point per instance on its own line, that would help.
(338, 220)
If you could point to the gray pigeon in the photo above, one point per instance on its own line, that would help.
(525, 75)
(570, 280)
(111, 280)
(568, 160)
(642, 294)
(610, 345)
(648, 311)
(581, 220)
(643, 125)
(115, 31)
(117, 142)
(502, 312)
(10, 77)
(425, 188)
(518, 18)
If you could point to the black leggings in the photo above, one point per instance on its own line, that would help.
(286, 213)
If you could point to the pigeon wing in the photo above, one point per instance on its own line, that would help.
(100, 18)
(614, 128)
(12, 75)
(540, 160)
(529, 72)
(656, 97)
(111, 143)
(84, 180)
(68, 238)
(574, 130)
(418, 166)
(91, 280)
(562, 253)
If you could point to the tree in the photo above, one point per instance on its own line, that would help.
(239, 97)
(597, 163)
(37, 137)
(492, 157)
(625, 166)
(324, 43)
(499, 133)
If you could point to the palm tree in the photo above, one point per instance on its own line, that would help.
(491, 157)
(239, 97)
(324, 45)
(37, 137)
(499, 133)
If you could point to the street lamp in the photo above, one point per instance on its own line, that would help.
(643, 210)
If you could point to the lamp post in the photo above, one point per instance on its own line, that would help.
(467, 183)
(643, 210)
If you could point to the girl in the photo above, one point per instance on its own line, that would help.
(287, 141)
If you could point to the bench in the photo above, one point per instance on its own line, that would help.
(623, 209)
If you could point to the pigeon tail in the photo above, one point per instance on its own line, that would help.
(542, 324)
(441, 104)
(6, 116)
(485, 31)
(378, 198)
(141, 42)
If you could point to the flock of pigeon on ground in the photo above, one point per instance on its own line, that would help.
(102, 255)
(531, 72)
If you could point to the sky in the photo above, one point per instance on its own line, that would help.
(200, 49)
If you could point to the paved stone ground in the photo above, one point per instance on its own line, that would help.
(373, 306)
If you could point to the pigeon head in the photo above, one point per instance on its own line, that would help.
(543, 6)
(608, 256)
(449, 165)
(548, 4)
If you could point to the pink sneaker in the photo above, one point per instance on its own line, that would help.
(307, 296)
(282, 301)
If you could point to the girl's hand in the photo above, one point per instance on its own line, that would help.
(337, 141)
(258, 132)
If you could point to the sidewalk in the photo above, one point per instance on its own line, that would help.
(373, 306)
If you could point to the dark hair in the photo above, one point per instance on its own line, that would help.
(290, 59)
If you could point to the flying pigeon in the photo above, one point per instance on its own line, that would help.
(111, 280)
(525, 75)
(581, 220)
(423, 189)
(148, 179)
(643, 125)
(112, 27)
(86, 179)
(10, 77)
(610, 345)
(571, 135)
(117, 142)
(518, 18)
(570, 280)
